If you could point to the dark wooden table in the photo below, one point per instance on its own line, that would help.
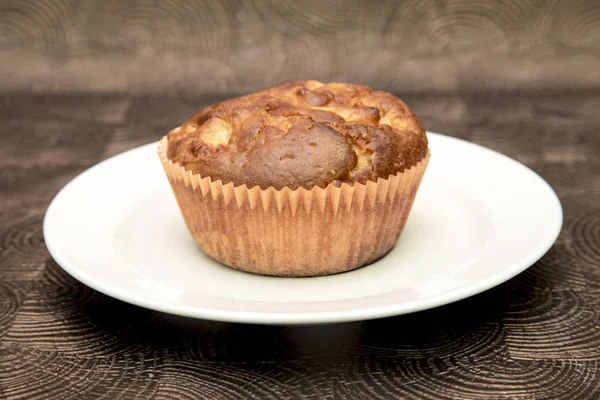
(536, 336)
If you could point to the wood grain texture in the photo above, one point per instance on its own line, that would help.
(211, 46)
(536, 336)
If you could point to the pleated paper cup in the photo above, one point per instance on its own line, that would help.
(299, 232)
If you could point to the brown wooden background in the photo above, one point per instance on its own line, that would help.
(83, 80)
(236, 46)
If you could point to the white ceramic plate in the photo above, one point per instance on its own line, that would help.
(479, 219)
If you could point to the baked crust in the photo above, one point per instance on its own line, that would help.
(301, 134)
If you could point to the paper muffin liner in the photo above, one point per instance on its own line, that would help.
(298, 232)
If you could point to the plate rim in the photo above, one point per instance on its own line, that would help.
(310, 318)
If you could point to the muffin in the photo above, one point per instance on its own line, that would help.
(301, 179)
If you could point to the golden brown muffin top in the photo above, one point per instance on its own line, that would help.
(301, 134)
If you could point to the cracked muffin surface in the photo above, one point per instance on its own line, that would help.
(301, 134)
